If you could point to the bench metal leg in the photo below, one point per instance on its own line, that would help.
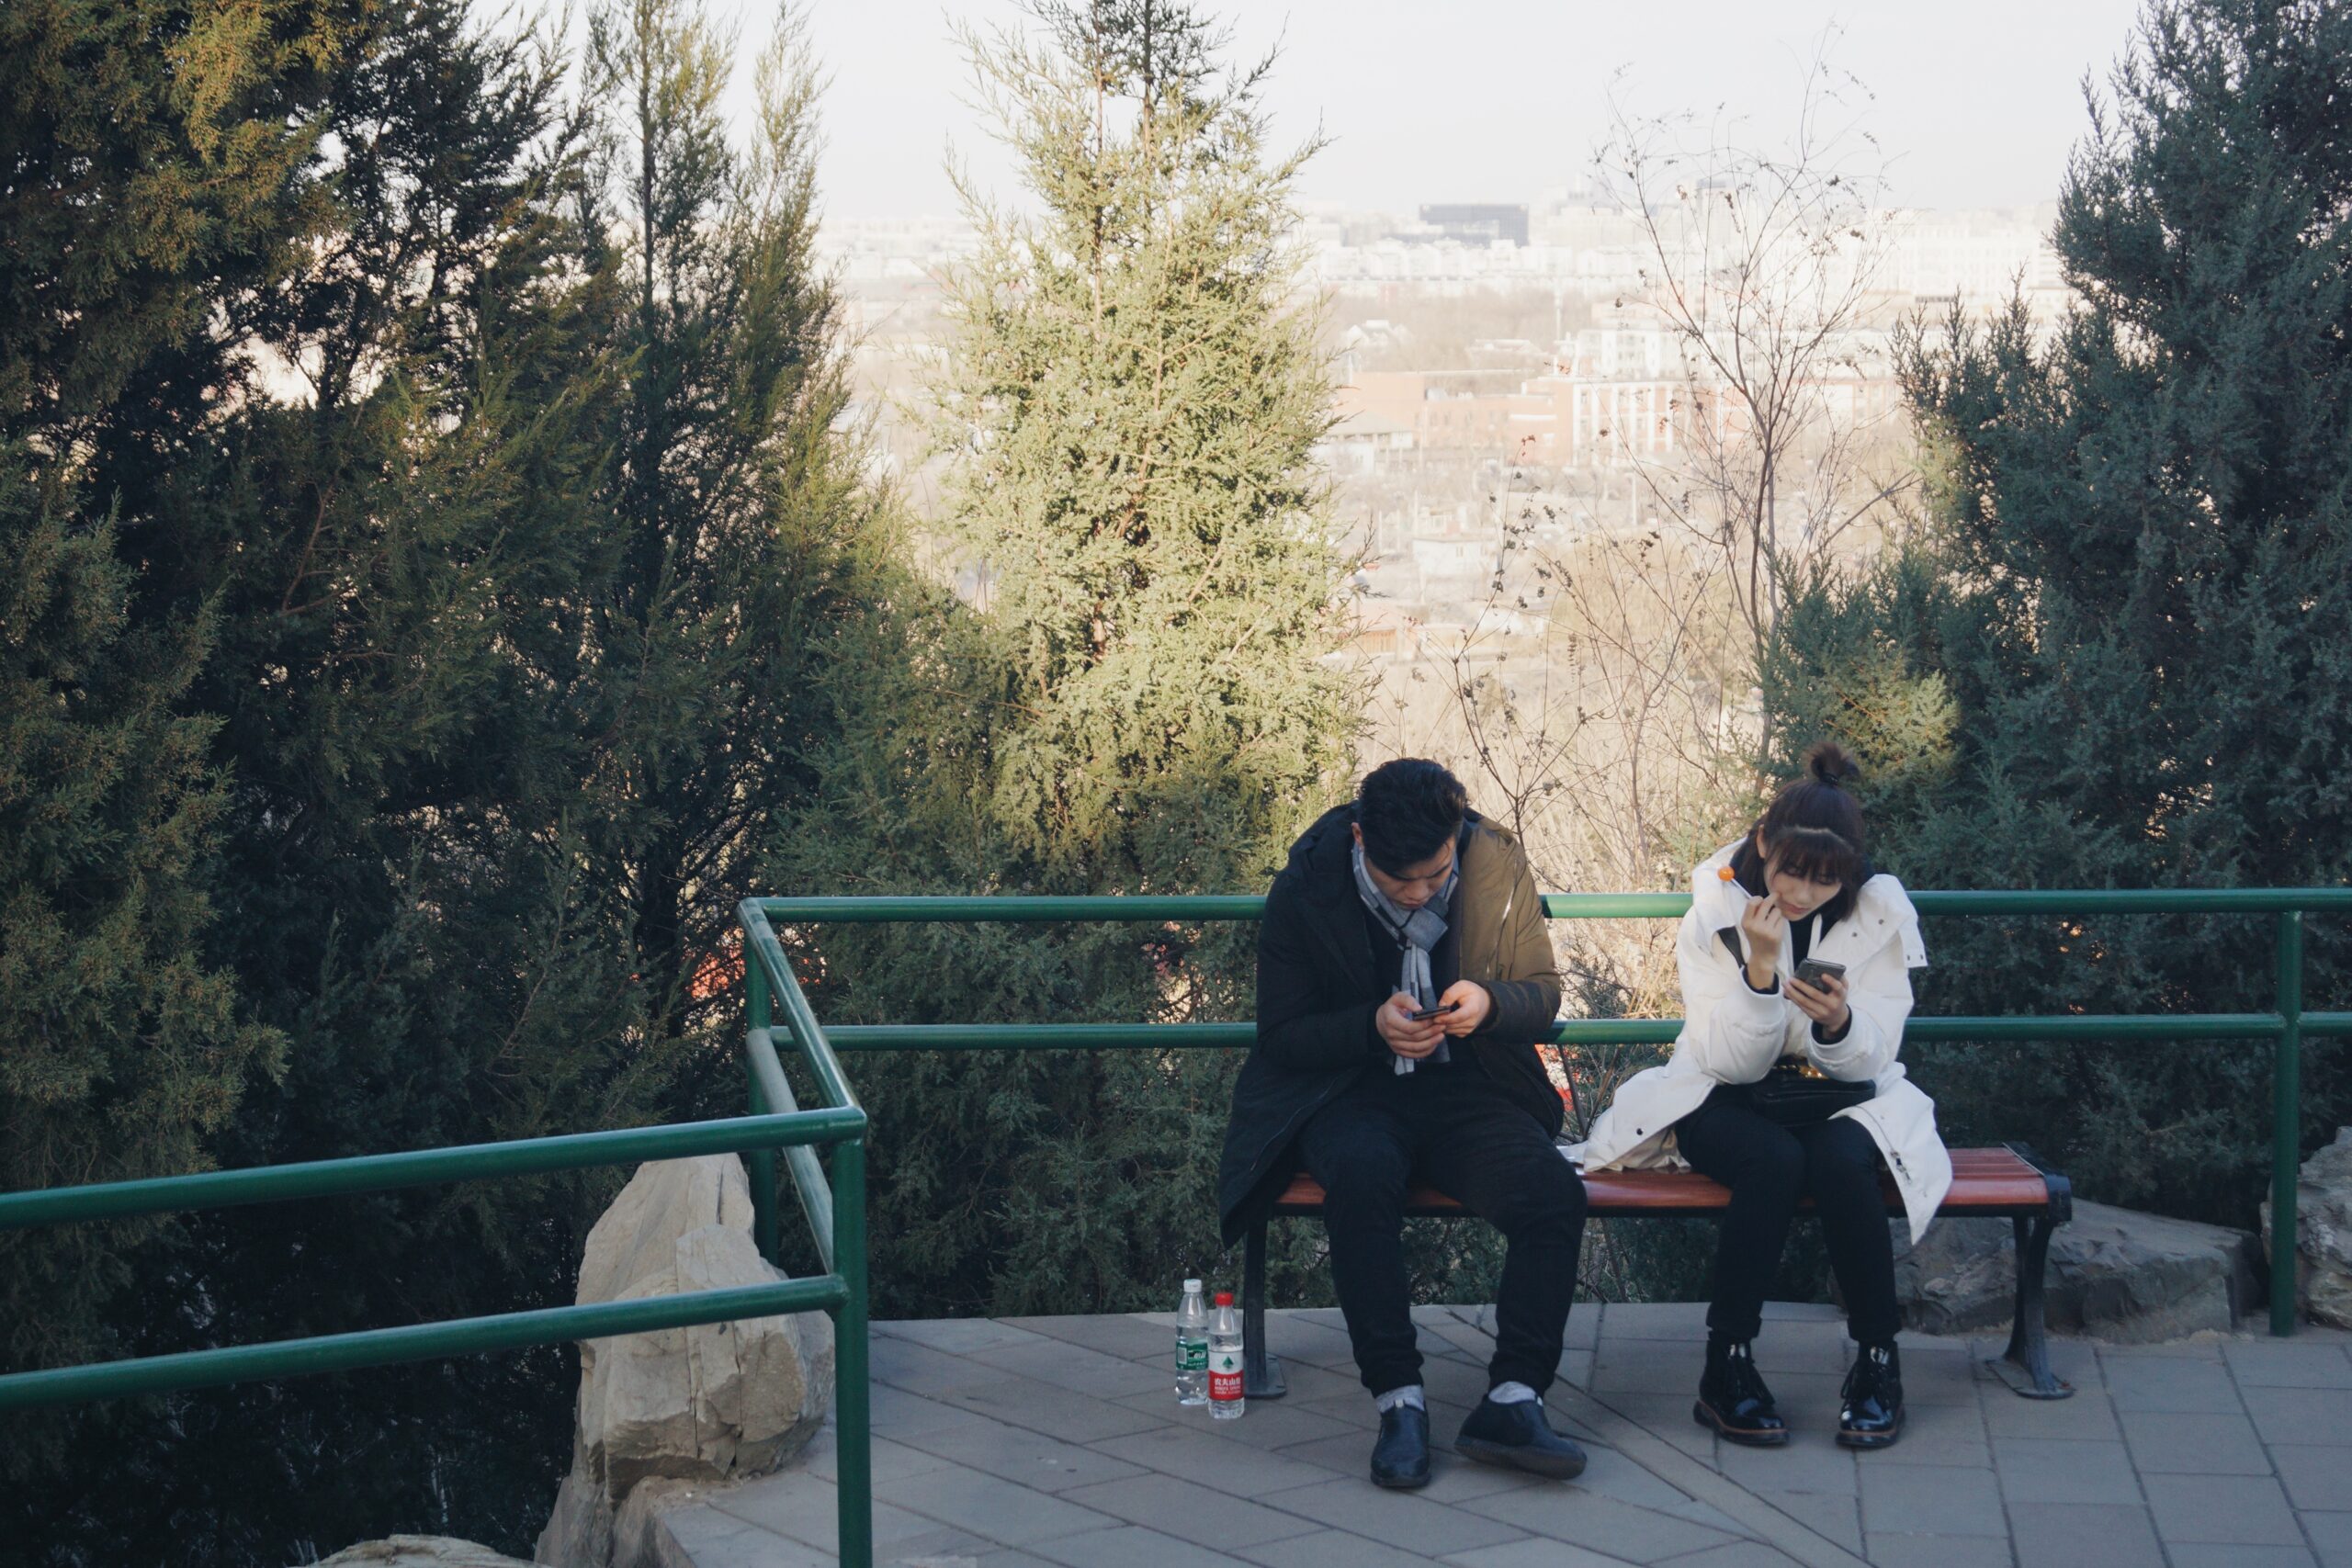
(1262, 1370)
(2025, 1366)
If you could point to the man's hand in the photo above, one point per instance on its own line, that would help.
(1476, 1005)
(1823, 1003)
(1764, 928)
(1409, 1040)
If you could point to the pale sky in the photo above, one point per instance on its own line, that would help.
(1499, 100)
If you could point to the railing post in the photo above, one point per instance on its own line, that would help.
(760, 1164)
(852, 1423)
(2286, 1122)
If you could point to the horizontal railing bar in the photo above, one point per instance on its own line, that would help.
(857, 909)
(415, 1342)
(809, 1182)
(1573, 1031)
(2328, 1023)
(800, 1020)
(419, 1167)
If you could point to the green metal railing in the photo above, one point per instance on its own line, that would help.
(2285, 1028)
(835, 1208)
(836, 1213)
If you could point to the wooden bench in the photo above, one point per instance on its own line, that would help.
(2009, 1181)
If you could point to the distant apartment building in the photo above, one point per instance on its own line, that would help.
(1472, 223)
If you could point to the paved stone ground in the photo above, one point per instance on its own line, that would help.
(1027, 1443)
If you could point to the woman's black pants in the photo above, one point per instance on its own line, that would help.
(1770, 1169)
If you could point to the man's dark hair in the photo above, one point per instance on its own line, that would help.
(1408, 809)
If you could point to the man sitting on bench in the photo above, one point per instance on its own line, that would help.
(1405, 972)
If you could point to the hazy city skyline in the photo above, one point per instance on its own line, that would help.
(1505, 99)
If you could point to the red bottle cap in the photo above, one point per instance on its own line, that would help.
(1224, 1298)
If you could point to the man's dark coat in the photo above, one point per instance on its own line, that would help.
(1319, 985)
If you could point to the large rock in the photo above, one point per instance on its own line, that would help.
(2116, 1274)
(420, 1552)
(2323, 1233)
(709, 1403)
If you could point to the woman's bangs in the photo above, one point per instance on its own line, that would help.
(1817, 854)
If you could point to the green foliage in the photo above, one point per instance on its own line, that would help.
(2119, 656)
(1135, 704)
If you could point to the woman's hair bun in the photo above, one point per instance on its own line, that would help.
(1830, 763)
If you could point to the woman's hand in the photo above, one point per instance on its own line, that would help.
(1472, 1003)
(1764, 928)
(1409, 1039)
(1823, 1003)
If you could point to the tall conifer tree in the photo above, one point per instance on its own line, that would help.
(1131, 398)
(2120, 656)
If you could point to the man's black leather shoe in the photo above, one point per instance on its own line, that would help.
(1517, 1436)
(1400, 1460)
(1870, 1413)
(1733, 1399)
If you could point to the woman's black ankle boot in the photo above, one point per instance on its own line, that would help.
(1733, 1398)
(1870, 1406)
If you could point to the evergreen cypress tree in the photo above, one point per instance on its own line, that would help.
(1136, 703)
(2120, 658)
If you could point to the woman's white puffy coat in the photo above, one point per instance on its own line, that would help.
(1733, 1035)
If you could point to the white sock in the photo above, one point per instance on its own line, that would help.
(1510, 1394)
(1409, 1394)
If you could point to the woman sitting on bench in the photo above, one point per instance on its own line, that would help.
(1795, 962)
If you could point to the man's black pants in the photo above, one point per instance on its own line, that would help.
(1769, 1168)
(1453, 1127)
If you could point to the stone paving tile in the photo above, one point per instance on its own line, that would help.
(1455, 1480)
(1611, 1474)
(1576, 1367)
(1937, 1376)
(1332, 1548)
(1779, 1350)
(1925, 1499)
(2204, 1345)
(1279, 1424)
(961, 1335)
(901, 1414)
(1401, 1519)
(2222, 1509)
(1602, 1524)
(2302, 1415)
(1129, 1546)
(805, 1509)
(2268, 1363)
(1056, 1412)
(1083, 1370)
(1667, 1417)
(2075, 1360)
(2063, 1470)
(1174, 1508)
(886, 1461)
(2191, 1556)
(1648, 1366)
(2315, 1477)
(2170, 1383)
(1309, 1382)
(2089, 1415)
(989, 1507)
(1005, 1557)
(710, 1539)
(2169, 1444)
(1125, 1336)
(1714, 1518)
(1938, 1551)
(1656, 1320)
(1736, 1554)
(1811, 1462)
(1938, 1434)
(1294, 1338)
(2084, 1535)
(1836, 1519)
(2331, 1537)
(1533, 1553)
(1030, 1459)
(922, 1368)
(1232, 1469)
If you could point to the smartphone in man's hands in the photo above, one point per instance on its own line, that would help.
(1427, 1013)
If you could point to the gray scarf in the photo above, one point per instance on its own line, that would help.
(1420, 930)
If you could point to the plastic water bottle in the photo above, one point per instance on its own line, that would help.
(1225, 1360)
(1193, 1348)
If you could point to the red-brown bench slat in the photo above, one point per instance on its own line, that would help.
(1984, 1181)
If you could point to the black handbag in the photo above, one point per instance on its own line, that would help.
(1795, 1093)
